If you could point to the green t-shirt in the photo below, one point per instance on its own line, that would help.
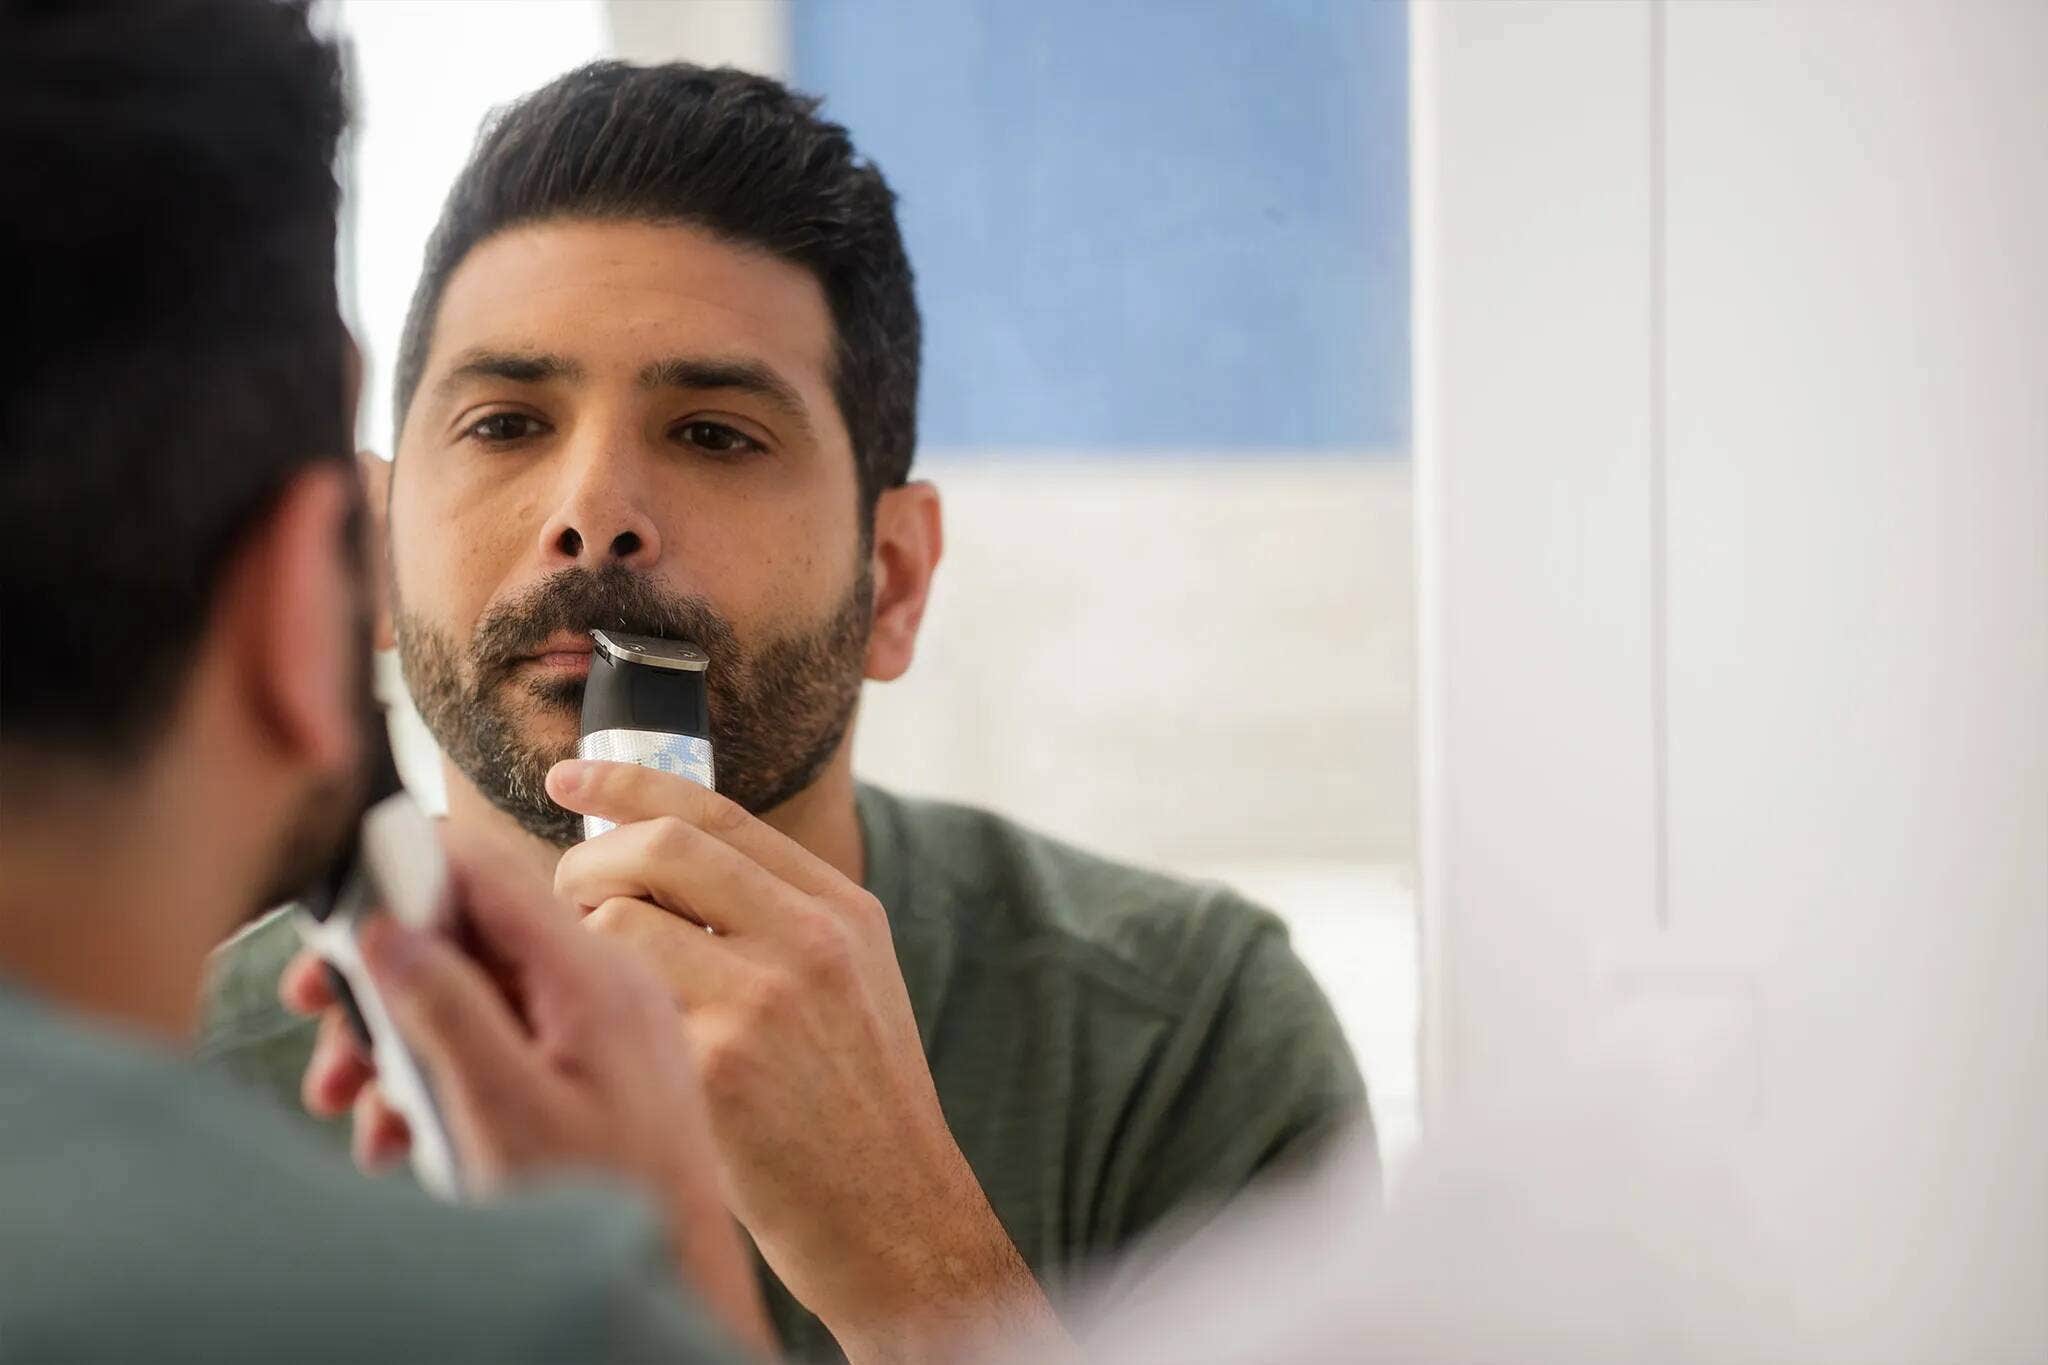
(151, 1210)
(1109, 1045)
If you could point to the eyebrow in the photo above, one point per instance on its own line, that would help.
(518, 367)
(746, 376)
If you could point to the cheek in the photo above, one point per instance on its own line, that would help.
(452, 547)
(766, 564)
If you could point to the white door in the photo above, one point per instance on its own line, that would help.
(1732, 354)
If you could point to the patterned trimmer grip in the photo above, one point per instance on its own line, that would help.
(686, 756)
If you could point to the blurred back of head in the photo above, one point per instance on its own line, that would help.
(173, 350)
(734, 153)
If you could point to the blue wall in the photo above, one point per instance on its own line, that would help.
(1172, 225)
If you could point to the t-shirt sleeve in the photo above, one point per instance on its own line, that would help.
(1256, 1078)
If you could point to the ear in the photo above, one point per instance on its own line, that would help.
(909, 537)
(376, 475)
(291, 612)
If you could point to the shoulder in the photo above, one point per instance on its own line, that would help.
(242, 979)
(241, 983)
(1007, 888)
(143, 1180)
(245, 1031)
(1190, 1046)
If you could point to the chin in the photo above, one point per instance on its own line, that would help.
(552, 722)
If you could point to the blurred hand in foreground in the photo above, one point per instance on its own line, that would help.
(549, 1050)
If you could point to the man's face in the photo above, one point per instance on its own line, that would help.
(628, 426)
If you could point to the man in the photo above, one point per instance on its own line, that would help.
(660, 374)
(183, 689)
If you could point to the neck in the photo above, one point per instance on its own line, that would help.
(822, 817)
(107, 907)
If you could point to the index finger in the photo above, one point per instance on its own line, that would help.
(338, 1069)
(625, 793)
(304, 986)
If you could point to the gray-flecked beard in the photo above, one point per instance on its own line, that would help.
(778, 712)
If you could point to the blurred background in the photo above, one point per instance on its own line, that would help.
(1162, 252)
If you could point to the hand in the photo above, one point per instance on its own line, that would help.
(560, 1053)
(837, 1155)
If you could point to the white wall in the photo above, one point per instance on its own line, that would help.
(1188, 662)
(1733, 519)
(425, 73)
(752, 35)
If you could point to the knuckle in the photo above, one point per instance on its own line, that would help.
(766, 994)
(723, 816)
(569, 873)
(722, 1066)
(613, 918)
(670, 836)
(824, 947)
(605, 780)
(865, 912)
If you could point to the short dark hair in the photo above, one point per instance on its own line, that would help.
(739, 155)
(173, 353)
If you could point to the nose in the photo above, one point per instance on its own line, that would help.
(601, 519)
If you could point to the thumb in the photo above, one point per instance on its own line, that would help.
(524, 934)
(490, 1086)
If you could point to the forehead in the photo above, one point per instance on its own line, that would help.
(612, 295)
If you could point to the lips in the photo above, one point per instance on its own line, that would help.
(564, 650)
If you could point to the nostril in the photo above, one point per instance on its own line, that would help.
(570, 542)
(624, 544)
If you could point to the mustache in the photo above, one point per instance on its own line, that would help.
(583, 600)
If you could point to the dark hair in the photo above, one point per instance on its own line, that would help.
(739, 155)
(172, 353)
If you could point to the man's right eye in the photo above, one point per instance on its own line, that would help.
(502, 427)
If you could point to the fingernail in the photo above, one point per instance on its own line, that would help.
(391, 949)
(568, 775)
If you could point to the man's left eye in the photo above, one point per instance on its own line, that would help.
(717, 438)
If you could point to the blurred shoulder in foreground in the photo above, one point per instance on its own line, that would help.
(154, 1212)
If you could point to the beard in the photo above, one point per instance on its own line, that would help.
(779, 711)
(318, 829)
